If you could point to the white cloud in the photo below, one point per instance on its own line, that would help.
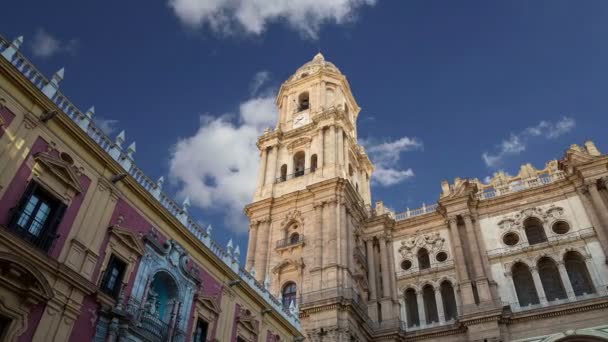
(252, 16)
(108, 126)
(386, 157)
(516, 143)
(260, 79)
(217, 166)
(44, 44)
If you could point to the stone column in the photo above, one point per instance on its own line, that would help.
(262, 170)
(402, 313)
(598, 227)
(481, 281)
(539, 286)
(344, 250)
(333, 145)
(371, 269)
(598, 203)
(421, 312)
(318, 257)
(509, 277)
(333, 232)
(252, 244)
(307, 155)
(261, 249)
(393, 279)
(274, 152)
(321, 153)
(563, 274)
(595, 278)
(340, 145)
(461, 266)
(385, 268)
(439, 303)
(345, 152)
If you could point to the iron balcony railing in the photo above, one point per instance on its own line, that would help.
(298, 173)
(290, 241)
(151, 326)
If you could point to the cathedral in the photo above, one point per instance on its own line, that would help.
(518, 258)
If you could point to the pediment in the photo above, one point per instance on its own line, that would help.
(60, 169)
(286, 263)
(210, 303)
(128, 239)
(575, 157)
(247, 322)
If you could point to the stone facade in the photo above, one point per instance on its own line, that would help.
(92, 250)
(520, 258)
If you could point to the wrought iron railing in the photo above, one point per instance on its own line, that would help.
(298, 173)
(291, 241)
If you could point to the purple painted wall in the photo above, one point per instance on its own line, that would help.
(8, 117)
(84, 326)
(36, 312)
(237, 310)
(18, 184)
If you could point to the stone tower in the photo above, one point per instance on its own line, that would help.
(312, 197)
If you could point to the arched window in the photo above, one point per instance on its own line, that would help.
(294, 238)
(534, 231)
(578, 274)
(283, 173)
(430, 305)
(289, 293)
(449, 300)
(350, 170)
(298, 164)
(424, 261)
(313, 163)
(303, 102)
(411, 308)
(162, 295)
(549, 277)
(524, 285)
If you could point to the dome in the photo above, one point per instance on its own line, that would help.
(317, 63)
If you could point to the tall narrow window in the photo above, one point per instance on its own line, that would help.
(449, 300)
(298, 164)
(112, 278)
(283, 173)
(549, 277)
(578, 274)
(424, 261)
(37, 216)
(534, 231)
(411, 308)
(524, 285)
(303, 102)
(200, 333)
(313, 163)
(289, 293)
(430, 305)
(5, 323)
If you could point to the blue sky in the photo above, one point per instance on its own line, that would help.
(440, 83)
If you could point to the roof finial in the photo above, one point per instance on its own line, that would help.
(319, 57)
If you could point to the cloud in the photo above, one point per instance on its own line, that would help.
(108, 126)
(217, 166)
(516, 143)
(45, 45)
(386, 155)
(260, 79)
(252, 16)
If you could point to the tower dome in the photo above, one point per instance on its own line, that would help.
(317, 63)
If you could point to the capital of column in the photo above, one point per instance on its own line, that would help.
(319, 204)
(452, 221)
(533, 269)
(467, 217)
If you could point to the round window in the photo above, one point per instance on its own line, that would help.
(510, 239)
(560, 227)
(441, 256)
(66, 158)
(406, 265)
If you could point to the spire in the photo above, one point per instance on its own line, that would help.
(51, 88)
(86, 119)
(12, 49)
(319, 57)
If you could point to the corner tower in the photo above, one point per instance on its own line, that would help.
(311, 199)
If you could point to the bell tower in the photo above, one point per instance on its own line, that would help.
(312, 196)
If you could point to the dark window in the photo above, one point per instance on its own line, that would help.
(4, 325)
(510, 239)
(424, 261)
(578, 274)
(449, 301)
(112, 278)
(406, 265)
(303, 103)
(534, 231)
(313, 163)
(441, 256)
(294, 238)
(551, 280)
(298, 164)
(411, 308)
(289, 294)
(430, 305)
(283, 173)
(524, 285)
(200, 334)
(37, 216)
(560, 227)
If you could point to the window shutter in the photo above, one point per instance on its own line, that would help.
(53, 224)
(16, 211)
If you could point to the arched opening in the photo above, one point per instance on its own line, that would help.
(534, 231)
(294, 238)
(524, 285)
(298, 163)
(578, 274)
(549, 277)
(303, 102)
(163, 294)
(283, 173)
(449, 300)
(313, 163)
(411, 308)
(424, 261)
(289, 293)
(350, 170)
(430, 305)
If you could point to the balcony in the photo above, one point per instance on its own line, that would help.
(150, 326)
(293, 241)
(571, 297)
(298, 173)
